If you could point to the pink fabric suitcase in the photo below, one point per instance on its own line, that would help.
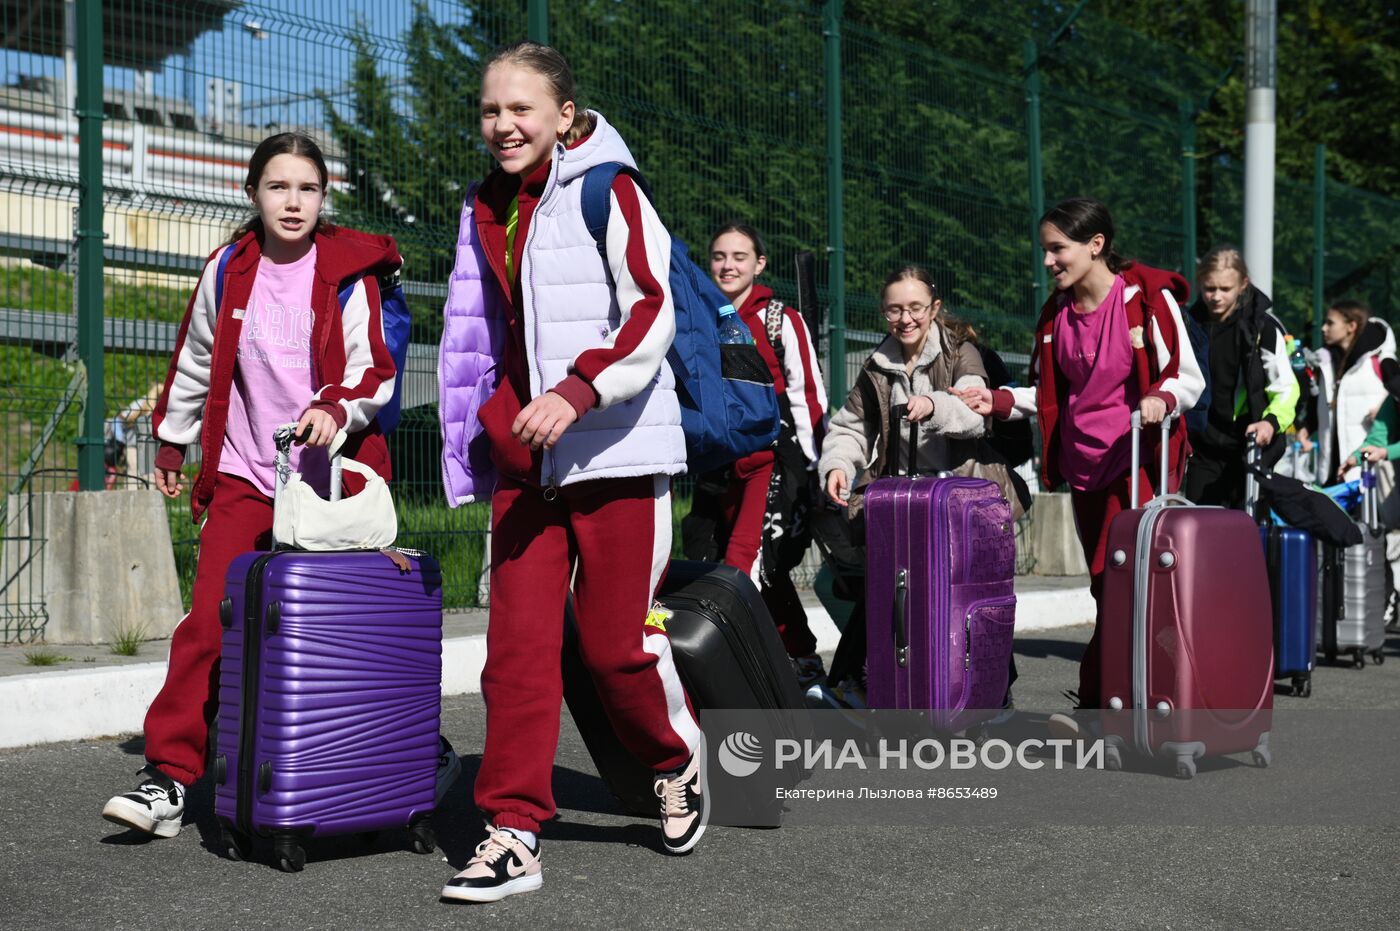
(1187, 636)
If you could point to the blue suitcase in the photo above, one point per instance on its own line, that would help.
(1292, 557)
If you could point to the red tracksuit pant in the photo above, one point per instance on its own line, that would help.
(743, 505)
(239, 519)
(1093, 513)
(614, 537)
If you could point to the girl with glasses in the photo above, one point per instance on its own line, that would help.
(920, 365)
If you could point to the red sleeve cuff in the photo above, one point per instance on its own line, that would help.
(1003, 401)
(170, 457)
(578, 393)
(338, 413)
(1166, 397)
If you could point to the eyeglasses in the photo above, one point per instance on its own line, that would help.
(916, 312)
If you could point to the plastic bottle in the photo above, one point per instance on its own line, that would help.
(731, 329)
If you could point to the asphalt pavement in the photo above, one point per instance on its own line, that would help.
(1335, 865)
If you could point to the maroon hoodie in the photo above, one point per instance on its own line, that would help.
(199, 400)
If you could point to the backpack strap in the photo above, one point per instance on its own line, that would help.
(219, 277)
(597, 198)
(773, 323)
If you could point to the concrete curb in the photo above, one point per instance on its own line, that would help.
(81, 704)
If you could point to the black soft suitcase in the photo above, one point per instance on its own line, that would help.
(729, 656)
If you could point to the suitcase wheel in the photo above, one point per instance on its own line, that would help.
(1185, 766)
(1112, 758)
(235, 845)
(1358, 659)
(1302, 686)
(424, 840)
(288, 854)
(1377, 657)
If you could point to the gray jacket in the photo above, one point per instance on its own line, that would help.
(857, 440)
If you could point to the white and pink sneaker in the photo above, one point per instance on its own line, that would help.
(504, 865)
(685, 803)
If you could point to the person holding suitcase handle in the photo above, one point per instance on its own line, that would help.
(737, 508)
(559, 406)
(901, 413)
(1111, 340)
(267, 344)
(1253, 391)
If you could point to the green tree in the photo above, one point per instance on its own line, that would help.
(722, 105)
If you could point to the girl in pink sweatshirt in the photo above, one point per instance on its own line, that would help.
(268, 344)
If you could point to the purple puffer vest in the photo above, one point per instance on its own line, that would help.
(568, 307)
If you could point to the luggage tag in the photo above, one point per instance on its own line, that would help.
(658, 616)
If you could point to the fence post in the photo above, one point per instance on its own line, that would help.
(1319, 239)
(89, 237)
(1188, 187)
(537, 24)
(1032, 54)
(835, 214)
(1039, 281)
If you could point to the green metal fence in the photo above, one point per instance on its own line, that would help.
(956, 123)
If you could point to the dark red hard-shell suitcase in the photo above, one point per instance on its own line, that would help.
(1187, 635)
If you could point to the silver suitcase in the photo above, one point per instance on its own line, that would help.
(1351, 609)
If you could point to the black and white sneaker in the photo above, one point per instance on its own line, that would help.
(156, 806)
(503, 865)
(685, 803)
(449, 767)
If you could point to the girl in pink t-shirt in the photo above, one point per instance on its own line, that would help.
(276, 346)
(1110, 340)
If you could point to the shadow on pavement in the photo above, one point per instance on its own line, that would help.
(1041, 647)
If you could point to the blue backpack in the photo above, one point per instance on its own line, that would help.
(393, 313)
(729, 408)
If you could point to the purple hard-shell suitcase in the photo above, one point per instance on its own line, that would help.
(330, 688)
(941, 601)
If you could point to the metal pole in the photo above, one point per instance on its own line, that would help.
(1040, 282)
(1319, 239)
(1261, 79)
(835, 214)
(1031, 55)
(89, 236)
(1188, 187)
(538, 21)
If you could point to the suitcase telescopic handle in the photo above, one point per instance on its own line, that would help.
(897, 414)
(901, 618)
(1253, 458)
(1135, 492)
(1370, 500)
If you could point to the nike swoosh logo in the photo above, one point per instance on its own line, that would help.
(516, 868)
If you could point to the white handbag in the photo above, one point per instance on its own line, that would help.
(304, 520)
